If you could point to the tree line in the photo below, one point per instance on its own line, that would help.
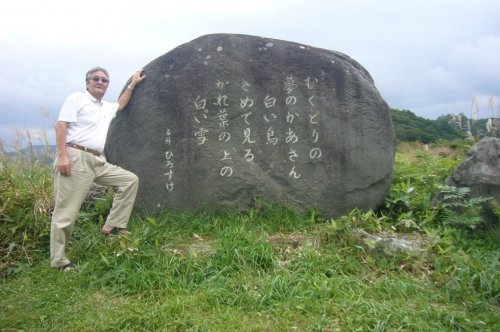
(410, 127)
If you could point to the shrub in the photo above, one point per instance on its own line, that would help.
(25, 204)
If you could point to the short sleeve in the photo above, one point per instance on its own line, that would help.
(69, 109)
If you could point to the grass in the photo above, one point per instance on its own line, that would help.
(269, 269)
(146, 282)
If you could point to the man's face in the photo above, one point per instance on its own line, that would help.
(97, 84)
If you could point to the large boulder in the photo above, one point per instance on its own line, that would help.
(227, 119)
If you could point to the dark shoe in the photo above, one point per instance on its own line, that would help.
(115, 231)
(68, 267)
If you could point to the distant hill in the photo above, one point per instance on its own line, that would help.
(410, 127)
(42, 153)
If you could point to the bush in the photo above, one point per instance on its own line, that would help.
(420, 172)
(25, 204)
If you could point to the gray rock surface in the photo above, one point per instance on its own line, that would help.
(480, 171)
(393, 244)
(227, 119)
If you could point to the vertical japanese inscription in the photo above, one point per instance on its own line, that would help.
(169, 162)
(313, 114)
(218, 108)
(247, 106)
(223, 109)
(291, 139)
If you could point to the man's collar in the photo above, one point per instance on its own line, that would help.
(92, 98)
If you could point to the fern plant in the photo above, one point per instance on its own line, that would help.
(459, 210)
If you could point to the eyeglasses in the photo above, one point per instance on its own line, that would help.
(102, 79)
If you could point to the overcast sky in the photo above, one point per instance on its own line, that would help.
(430, 57)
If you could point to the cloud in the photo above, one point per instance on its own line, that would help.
(478, 63)
(471, 70)
(429, 57)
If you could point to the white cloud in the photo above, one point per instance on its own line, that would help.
(431, 58)
(478, 63)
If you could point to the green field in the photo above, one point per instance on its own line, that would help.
(267, 269)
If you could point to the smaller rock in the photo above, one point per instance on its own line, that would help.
(480, 171)
(392, 244)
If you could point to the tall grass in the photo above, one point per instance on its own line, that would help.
(25, 207)
(268, 269)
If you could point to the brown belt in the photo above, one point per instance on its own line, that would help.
(83, 148)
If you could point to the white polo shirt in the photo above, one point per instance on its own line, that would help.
(88, 119)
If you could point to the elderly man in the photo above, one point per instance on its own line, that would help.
(81, 131)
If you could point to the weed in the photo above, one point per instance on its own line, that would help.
(25, 206)
(459, 210)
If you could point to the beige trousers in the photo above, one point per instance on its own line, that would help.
(70, 192)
